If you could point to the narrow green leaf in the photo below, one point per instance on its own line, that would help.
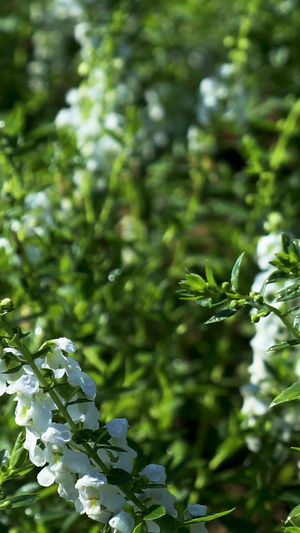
(277, 275)
(4, 457)
(285, 242)
(209, 517)
(292, 393)
(154, 512)
(292, 310)
(293, 291)
(221, 315)
(23, 335)
(24, 499)
(79, 400)
(294, 513)
(196, 283)
(283, 344)
(236, 272)
(292, 530)
(22, 470)
(13, 370)
(210, 275)
(111, 447)
(152, 486)
(138, 528)
(118, 476)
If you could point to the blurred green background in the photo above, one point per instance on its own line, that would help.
(139, 139)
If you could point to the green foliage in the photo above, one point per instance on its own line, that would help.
(191, 181)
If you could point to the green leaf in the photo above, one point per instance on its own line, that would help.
(79, 400)
(292, 393)
(18, 458)
(4, 457)
(196, 283)
(22, 470)
(13, 370)
(118, 476)
(285, 242)
(292, 310)
(209, 517)
(25, 499)
(277, 275)
(210, 275)
(292, 530)
(282, 345)
(23, 335)
(222, 315)
(138, 528)
(154, 512)
(111, 447)
(293, 291)
(236, 272)
(294, 513)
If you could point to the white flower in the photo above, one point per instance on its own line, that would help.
(196, 511)
(111, 498)
(5, 245)
(122, 522)
(267, 246)
(36, 454)
(5, 377)
(89, 496)
(125, 459)
(28, 410)
(63, 462)
(66, 486)
(25, 386)
(14, 351)
(78, 378)
(37, 200)
(117, 427)
(85, 412)
(161, 496)
(65, 344)
(155, 473)
(77, 462)
(57, 434)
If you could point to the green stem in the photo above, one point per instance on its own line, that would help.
(285, 321)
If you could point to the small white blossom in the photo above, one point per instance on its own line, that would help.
(122, 523)
(25, 386)
(65, 344)
(155, 473)
(117, 428)
(196, 511)
(57, 434)
(87, 413)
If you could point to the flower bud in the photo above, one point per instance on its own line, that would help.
(226, 286)
(6, 305)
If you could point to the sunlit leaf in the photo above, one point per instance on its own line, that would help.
(235, 273)
(288, 395)
(209, 517)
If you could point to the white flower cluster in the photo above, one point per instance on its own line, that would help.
(91, 113)
(261, 389)
(50, 442)
(267, 331)
(222, 94)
